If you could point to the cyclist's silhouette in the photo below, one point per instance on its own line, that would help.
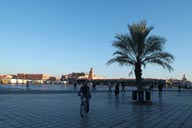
(85, 92)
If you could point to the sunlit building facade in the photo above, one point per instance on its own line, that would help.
(33, 76)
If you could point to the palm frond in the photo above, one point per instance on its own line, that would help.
(124, 45)
(164, 64)
(161, 58)
(153, 44)
(121, 61)
(131, 72)
(139, 33)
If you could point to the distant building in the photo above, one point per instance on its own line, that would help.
(7, 76)
(178, 82)
(33, 76)
(91, 76)
(52, 78)
(73, 77)
(6, 79)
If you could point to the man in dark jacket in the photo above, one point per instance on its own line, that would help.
(85, 92)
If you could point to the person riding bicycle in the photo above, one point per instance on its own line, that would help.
(85, 91)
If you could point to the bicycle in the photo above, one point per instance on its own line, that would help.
(83, 108)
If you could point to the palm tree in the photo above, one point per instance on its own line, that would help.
(138, 49)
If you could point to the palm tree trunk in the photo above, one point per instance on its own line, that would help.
(138, 74)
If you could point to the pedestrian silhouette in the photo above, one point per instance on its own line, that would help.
(179, 87)
(151, 87)
(75, 85)
(123, 87)
(110, 86)
(117, 89)
(160, 87)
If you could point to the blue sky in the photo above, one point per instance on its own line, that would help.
(63, 36)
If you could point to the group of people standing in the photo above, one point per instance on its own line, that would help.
(117, 86)
(159, 86)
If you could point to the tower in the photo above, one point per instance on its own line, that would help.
(184, 78)
(91, 74)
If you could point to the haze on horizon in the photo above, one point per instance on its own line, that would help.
(59, 37)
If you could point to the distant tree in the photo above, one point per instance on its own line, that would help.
(137, 49)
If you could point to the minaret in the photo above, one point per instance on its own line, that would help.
(184, 78)
(91, 74)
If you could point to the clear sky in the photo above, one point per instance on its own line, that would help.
(63, 36)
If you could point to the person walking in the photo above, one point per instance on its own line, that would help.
(123, 87)
(151, 87)
(75, 86)
(179, 87)
(94, 86)
(27, 85)
(117, 89)
(160, 87)
(110, 87)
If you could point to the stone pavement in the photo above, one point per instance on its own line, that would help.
(173, 110)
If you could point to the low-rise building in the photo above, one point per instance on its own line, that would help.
(33, 76)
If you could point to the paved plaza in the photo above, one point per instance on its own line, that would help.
(173, 110)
